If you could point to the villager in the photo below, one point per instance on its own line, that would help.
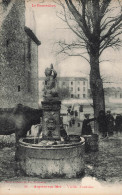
(69, 110)
(110, 123)
(70, 123)
(72, 112)
(76, 113)
(73, 121)
(63, 132)
(118, 124)
(86, 127)
(101, 119)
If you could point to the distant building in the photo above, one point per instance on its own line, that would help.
(113, 89)
(18, 57)
(112, 92)
(78, 86)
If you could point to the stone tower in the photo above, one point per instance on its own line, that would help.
(18, 57)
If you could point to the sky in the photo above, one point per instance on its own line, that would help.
(49, 29)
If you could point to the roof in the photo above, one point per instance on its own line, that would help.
(68, 78)
(32, 35)
(72, 78)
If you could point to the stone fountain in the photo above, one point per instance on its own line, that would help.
(50, 156)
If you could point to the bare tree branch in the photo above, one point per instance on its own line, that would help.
(97, 26)
(113, 28)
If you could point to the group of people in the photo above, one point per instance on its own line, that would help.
(107, 125)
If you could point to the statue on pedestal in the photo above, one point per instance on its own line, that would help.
(50, 88)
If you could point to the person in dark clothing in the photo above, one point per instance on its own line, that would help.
(76, 113)
(86, 127)
(118, 124)
(110, 123)
(73, 121)
(69, 110)
(102, 122)
(63, 132)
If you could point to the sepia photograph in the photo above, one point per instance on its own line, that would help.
(61, 97)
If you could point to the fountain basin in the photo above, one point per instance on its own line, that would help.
(55, 161)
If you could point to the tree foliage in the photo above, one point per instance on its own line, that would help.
(63, 93)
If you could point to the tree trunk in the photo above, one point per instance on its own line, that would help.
(96, 84)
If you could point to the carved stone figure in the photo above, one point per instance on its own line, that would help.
(50, 88)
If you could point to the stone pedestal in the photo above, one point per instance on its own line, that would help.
(51, 120)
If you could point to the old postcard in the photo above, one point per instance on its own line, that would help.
(61, 97)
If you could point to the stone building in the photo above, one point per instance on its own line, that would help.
(77, 86)
(18, 57)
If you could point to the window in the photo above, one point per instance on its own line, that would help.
(18, 88)
(72, 95)
(78, 95)
(29, 81)
(29, 50)
(84, 82)
(84, 95)
(45, 82)
(120, 95)
(78, 124)
(78, 88)
(83, 88)
(71, 83)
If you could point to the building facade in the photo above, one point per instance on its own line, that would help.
(18, 57)
(77, 86)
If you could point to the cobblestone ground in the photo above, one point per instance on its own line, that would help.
(105, 165)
